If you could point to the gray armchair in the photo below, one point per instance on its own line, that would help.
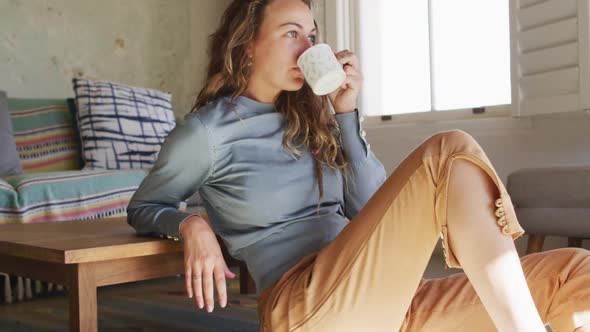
(552, 201)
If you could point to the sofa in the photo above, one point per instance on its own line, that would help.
(77, 158)
(81, 158)
(53, 185)
(552, 200)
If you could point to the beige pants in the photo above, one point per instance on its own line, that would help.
(370, 277)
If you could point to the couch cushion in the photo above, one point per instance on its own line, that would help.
(555, 221)
(550, 187)
(60, 196)
(45, 135)
(552, 200)
(121, 126)
(9, 160)
(8, 195)
(73, 111)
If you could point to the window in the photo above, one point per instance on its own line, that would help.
(430, 55)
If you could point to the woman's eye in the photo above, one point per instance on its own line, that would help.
(293, 34)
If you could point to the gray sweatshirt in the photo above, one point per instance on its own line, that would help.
(261, 200)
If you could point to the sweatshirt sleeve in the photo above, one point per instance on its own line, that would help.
(184, 164)
(366, 172)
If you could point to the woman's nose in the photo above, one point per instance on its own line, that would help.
(306, 44)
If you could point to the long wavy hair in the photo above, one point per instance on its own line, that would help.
(310, 123)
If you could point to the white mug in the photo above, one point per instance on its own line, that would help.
(321, 69)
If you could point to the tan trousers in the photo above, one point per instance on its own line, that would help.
(369, 278)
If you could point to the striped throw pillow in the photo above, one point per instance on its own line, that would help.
(44, 134)
(121, 126)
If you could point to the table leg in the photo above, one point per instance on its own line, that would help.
(535, 243)
(247, 284)
(82, 298)
(574, 242)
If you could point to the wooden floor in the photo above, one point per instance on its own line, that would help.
(154, 305)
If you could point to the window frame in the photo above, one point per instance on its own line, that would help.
(342, 32)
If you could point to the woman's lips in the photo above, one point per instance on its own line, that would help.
(298, 72)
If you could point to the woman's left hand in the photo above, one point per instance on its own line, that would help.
(344, 99)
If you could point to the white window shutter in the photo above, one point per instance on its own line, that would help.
(550, 56)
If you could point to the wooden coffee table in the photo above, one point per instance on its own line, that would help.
(84, 255)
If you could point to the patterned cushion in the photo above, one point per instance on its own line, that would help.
(44, 134)
(9, 160)
(121, 126)
(73, 111)
(8, 195)
(72, 195)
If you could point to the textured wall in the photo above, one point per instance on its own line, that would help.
(159, 44)
(151, 43)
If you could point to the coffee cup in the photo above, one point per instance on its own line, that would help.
(321, 69)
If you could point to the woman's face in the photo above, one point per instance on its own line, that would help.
(286, 31)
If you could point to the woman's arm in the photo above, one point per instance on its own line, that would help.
(184, 164)
(366, 172)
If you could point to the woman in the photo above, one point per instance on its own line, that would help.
(279, 173)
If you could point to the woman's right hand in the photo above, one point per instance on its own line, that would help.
(203, 263)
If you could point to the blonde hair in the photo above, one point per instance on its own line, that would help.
(309, 119)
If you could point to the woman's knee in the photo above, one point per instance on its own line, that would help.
(563, 261)
(450, 141)
(456, 136)
(569, 253)
(453, 134)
